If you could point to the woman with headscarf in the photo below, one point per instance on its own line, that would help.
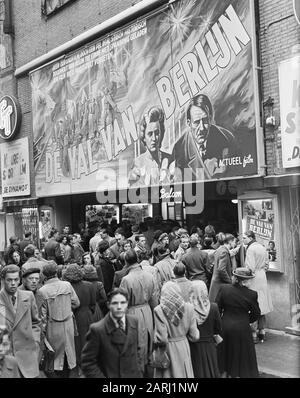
(175, 323)
(204, 351)
(84, 314)
(239, 307)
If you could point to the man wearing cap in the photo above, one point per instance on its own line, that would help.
(31, 283)
(19, 313)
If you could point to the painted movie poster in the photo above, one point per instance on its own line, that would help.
(168, 93)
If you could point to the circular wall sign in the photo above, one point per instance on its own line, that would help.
(10, 117)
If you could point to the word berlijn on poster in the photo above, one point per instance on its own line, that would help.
(15, 171)
(263, 229)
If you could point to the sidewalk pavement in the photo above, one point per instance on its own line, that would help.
(279, 355)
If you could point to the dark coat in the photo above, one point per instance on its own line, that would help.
(105, 271)
(220, 144)
(53, 251)
(84, 314)
(222, 272)
(196, 262)
(102, 356)
(239, 307)
(119, 275)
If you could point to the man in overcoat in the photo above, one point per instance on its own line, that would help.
(58, 299)
(18, 312)
(112, 348)
(222, 273)
(142, 299)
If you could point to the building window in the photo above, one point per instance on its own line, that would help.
(51, 6)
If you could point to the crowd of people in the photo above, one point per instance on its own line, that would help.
(112, 304)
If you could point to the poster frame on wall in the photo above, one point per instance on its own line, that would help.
(260, 171)
(264, 196)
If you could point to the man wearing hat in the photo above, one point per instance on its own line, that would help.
(239, 307)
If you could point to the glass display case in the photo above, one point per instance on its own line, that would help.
(259, 213)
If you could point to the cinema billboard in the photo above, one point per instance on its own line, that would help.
(169, 98)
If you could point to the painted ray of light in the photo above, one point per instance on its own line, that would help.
(207, 20)
(178, 21)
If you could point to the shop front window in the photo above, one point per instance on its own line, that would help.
(136, 213)
(97, 214)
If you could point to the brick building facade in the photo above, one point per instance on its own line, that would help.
(36, 35)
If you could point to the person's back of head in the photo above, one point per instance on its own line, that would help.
(209, 231)
(220, 238)
(131, 257)
(179, 269)
(50, 269)
(207, 242)
(13, 240)
(228, 238)
(194, 240)
(28, 235)
(157, 234)
(29, 251)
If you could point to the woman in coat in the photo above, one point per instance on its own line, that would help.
(175, 323)
(204, 351)
(90, 275)
(257, 260)
(84, 314)
(222, 266)
(238, 306)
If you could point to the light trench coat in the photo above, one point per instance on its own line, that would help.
(258, 261)
(58, 299)
(176, 339)
(142, 298)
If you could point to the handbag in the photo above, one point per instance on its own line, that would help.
(47, 359)
(159, 358)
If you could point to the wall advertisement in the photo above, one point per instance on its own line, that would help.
(167, 99)
(289, 90)
(15, 170)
